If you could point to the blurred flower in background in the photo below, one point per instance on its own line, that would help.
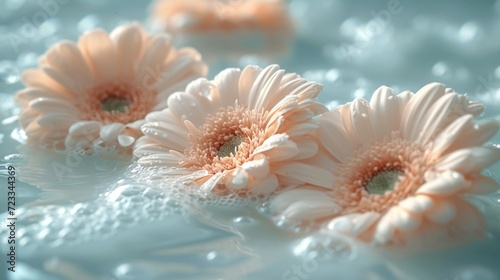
(226, 28)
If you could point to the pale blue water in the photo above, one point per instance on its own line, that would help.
(104, 219)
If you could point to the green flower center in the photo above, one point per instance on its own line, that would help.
(115, 105)
(230, 147)
(383, 181)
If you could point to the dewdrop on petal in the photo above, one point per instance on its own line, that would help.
(226, 28)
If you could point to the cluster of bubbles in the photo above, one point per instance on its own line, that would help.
(59, 225)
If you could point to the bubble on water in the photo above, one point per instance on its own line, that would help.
(54, 226)
(324, 246)
(9, 73)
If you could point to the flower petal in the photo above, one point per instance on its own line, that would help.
(442, 213)
(129, 42)
(301, 204)
(264, 186)
(167, 134)
(333, 137)
(385, 105)
(405, 220)
(110, 132)
(100, 53)
(447, 183)
(307, 174)
(278, 148)
(417, 107)
(85, 127)
(483, 185)
(259, 167)
(237, 179)
(417, 203)
(56, 121)
(125, 140)
(469, 160)
(353, 224)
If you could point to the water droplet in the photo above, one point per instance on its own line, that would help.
(219, 258)
(243, 220)
(265, 209)
(133, 271)
(9, 74)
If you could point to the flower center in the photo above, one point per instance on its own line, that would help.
(115, 105)
(383, 181)
(380, 175)
(116, 102)
(226, 140)
(230, 148)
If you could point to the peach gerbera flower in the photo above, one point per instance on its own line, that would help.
(244, 130)
(99, 90)
(402, 166)
(222, 26)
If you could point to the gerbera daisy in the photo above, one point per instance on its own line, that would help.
(244, 130)
(402, 165)
(99, 90)
(226, 27)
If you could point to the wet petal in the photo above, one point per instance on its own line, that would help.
(447, 183)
